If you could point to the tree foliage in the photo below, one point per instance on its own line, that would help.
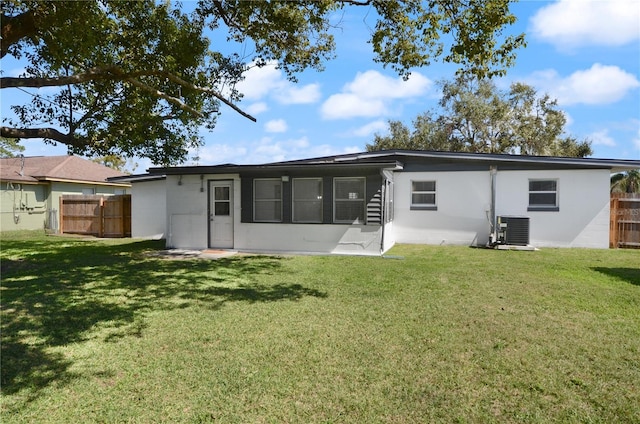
(9, 147)
(626, 182)
(116, 162)
(475, 116)
(141, 78)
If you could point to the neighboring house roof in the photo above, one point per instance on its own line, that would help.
(399, 159)
(55, 168)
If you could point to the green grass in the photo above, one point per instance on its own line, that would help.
(101, 331)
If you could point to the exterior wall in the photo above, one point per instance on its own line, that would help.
(23, 206)
(310, 238)
(187, 209)
(583, 200)
(149, 209)
(463, 202)
(187, 224)
(389, 237)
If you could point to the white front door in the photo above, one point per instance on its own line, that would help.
(221, 214)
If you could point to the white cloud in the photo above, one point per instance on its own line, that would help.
(268, 149)
(258, 82)
(369, 129)
(222, 153)
(276, 126)
(372, 84)
(602, 138)
(371, 94)
(573, 23)
(349, 105)
(291, 94)
(256, 108)
(599, 84)
(268, 81)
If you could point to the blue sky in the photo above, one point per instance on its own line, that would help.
(584, 53)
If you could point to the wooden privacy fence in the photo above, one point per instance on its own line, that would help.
(101, 216)
(624, 230)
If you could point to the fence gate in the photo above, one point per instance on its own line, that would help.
(624, 230)
(101, 216)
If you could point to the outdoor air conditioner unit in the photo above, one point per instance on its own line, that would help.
(513, 230)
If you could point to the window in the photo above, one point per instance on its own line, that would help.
(349, 200)
(543, 195)
(423, 195)
(307, 200)
(222, 200)
(86, 191)
(267, 200)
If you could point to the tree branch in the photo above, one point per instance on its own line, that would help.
(165, 96)
(115, 73)
(92, 74)
(216, 94)
(15, 28)
(48, 133)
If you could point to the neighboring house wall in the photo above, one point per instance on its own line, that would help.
(23, 206)
(582, 218)
(461, 214)
(37, 206)
(61, 188)
(149, 209)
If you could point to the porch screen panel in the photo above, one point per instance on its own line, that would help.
(267, 200)
(307, 200)
(349, 200)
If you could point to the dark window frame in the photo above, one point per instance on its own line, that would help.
(534, 206)
(266, 200)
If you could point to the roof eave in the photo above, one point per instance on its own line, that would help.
(234, 169)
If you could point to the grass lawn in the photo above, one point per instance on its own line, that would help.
(101, 331)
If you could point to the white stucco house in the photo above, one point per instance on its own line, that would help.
(364, 203)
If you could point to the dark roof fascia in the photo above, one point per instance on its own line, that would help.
(137, 178)
(396, 158)
(268, 168)
(585, 163)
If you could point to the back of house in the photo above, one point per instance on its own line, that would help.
(364, 203)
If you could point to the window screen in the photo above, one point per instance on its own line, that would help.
(543, 194)
(423, 193)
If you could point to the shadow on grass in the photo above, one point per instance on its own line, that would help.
(60, 292)
(630, 275)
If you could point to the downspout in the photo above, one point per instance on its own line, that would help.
(493, 171)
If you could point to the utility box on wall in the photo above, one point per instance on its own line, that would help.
(513, 230)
